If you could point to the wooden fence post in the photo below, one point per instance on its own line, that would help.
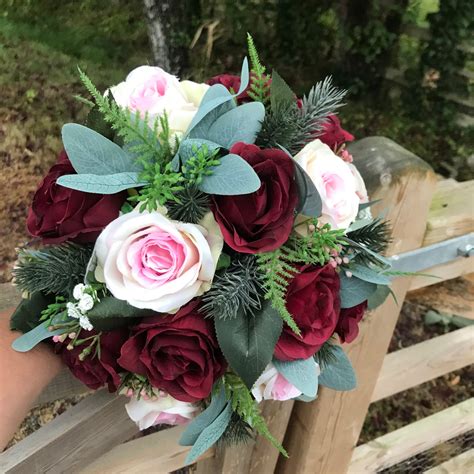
(321, 435)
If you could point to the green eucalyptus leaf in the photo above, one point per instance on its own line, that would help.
(338, 374)
(216, 101)
(369, 274)
(310, 203)
(100, 183)
(210, 435)
(354, 290)
(233, 176)
(248, 341)
(203, 420)
(29, 340)
(301, 373)
(378, 297)
(241, 124)
(89, 151)
(281, 95)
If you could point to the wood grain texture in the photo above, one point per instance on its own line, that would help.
(321, 436)
(9, 296)
(84, 432)
(64, 385)
(425, 361)
(412, 439)
(456, 268)
(461, 464)
(451, 211)
(156, 453)
(258, 457)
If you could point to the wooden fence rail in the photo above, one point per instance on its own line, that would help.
(96, 435)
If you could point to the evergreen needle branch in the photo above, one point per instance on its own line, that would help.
(246, 407)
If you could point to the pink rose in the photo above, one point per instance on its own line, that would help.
(161, 410)
(271, 385)
(156, 263)
(334, 181)
(151, 90)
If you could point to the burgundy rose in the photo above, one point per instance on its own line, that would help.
(95, 371)
(178, 353)
(260, 221)
(313, 301)
(232, 83)
(58, 213)
(333, 135)
(348, 324)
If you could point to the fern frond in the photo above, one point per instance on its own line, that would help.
(246, 407)
(277, 272)
(259, 89)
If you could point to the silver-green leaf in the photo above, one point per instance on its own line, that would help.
(100, 183)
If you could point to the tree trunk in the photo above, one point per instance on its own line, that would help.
(171, 25)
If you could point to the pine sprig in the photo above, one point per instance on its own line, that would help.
(189, 205)
(259, 89)
(277, 271)
(236, 289)
(135, 130)
(237, 432)
(246, 407)
(376, 235)
(325, 355)
(55, 269)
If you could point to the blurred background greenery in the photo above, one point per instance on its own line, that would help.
(408, 64)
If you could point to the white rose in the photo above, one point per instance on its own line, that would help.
(151, 89)
(156, 263)
(334, 181)
(162, 410)
(271, 385)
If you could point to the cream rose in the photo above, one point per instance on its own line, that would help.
(334, 181)
(156, 263)
(151, 89)
(163, 409)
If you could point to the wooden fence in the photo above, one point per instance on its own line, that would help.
(96, 436)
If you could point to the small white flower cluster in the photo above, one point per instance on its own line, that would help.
(85, 302)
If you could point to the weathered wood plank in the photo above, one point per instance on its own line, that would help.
(84, 432)
(461, 464)
(425, 361)
(158, 453)
(412, 439)
(451, 212)
(459, 267)
(258, 457)
(321, 436)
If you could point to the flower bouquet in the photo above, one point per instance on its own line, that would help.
(205, 245)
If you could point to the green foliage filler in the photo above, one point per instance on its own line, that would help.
(237, 432)
(375, 235)
(56, 269)
(238, 288)
(259, 81)
(189, 205)
(246, 407)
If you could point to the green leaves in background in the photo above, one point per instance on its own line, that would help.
(233, 176)
(338, 373)
(248, 341)
(102, 184)
(110, 313)
(369, 274)
(301, 373)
